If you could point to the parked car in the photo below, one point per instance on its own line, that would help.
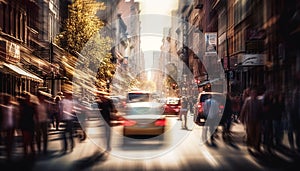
(172, 106)
(143, 117)
(198, 108)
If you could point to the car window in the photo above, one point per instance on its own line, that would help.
(218, 97)
(173, 101)
(138, 97)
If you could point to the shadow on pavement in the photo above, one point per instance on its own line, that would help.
(20, 164)
(281, 158)
(90, 161)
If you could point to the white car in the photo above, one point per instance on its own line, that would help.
(143, 117)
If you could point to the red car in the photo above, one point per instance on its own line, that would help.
(198, 110)
(172, 106)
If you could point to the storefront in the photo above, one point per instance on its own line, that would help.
(14, 80)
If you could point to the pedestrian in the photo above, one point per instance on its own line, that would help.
(183, 112)
(251, 118)
(191, 104)
(67, 114)
(7, 125)
(267, 122)
(236, 108)
(27, 112)
(56, 108)
(106, 107)
(227, 118)
(211, 112)
(278, 112)
(41, 122)
(295, 113)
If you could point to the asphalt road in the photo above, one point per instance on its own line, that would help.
(180, 150)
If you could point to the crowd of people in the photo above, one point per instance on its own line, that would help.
(31, 117)
(266, 116)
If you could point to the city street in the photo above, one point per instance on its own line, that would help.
(180, 150)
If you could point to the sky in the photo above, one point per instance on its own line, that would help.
(155, 15)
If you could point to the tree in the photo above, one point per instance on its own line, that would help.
(80, 26)
(82, 37)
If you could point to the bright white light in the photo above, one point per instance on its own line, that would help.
(157, 7)
(151, 43)
(149, 75)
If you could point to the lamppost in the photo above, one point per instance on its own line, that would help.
(227, 50)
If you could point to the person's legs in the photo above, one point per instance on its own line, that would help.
(64, 137)
(212, 130)
(278, 132)
(108, 137)
(9, 142)
(57, 121)
(291, 135)
(70, 131)
(25, 135)
(180, 115)
(204, 134)
(184, 122)
(45, 136)
(38, 136)
(31, 135)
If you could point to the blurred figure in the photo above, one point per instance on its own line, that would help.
(236, 108)
(41, 124)
(279, 109)
(183, 112)
(191, 104)
(295, 114)
(7, 115)
(27, 112)
(211, 112)
(227, 118)
(67, 115)
(106, 107)
(268, 114)
(56, 112)
(250, 117)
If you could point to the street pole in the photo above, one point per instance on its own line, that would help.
(227, 51)
(52, 68)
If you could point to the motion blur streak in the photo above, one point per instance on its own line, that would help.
(211, 160)
(254, 162)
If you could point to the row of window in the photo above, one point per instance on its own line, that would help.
(13, 21)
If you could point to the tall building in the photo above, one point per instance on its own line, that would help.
(19, 38)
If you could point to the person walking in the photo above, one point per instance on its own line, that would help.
(236, 108)
(227, 118)
(41, 122)
(67, 115)
(251, 118)
(7, 125)
(184, 111)
(106, 107)
(295, 113)
(27, 112)
(56, 108)
(211, 111)
(267, 120)
(279, 109)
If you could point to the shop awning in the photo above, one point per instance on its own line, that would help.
(21, 72)
(213, 81)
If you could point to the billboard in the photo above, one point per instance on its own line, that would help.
(210, 43)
